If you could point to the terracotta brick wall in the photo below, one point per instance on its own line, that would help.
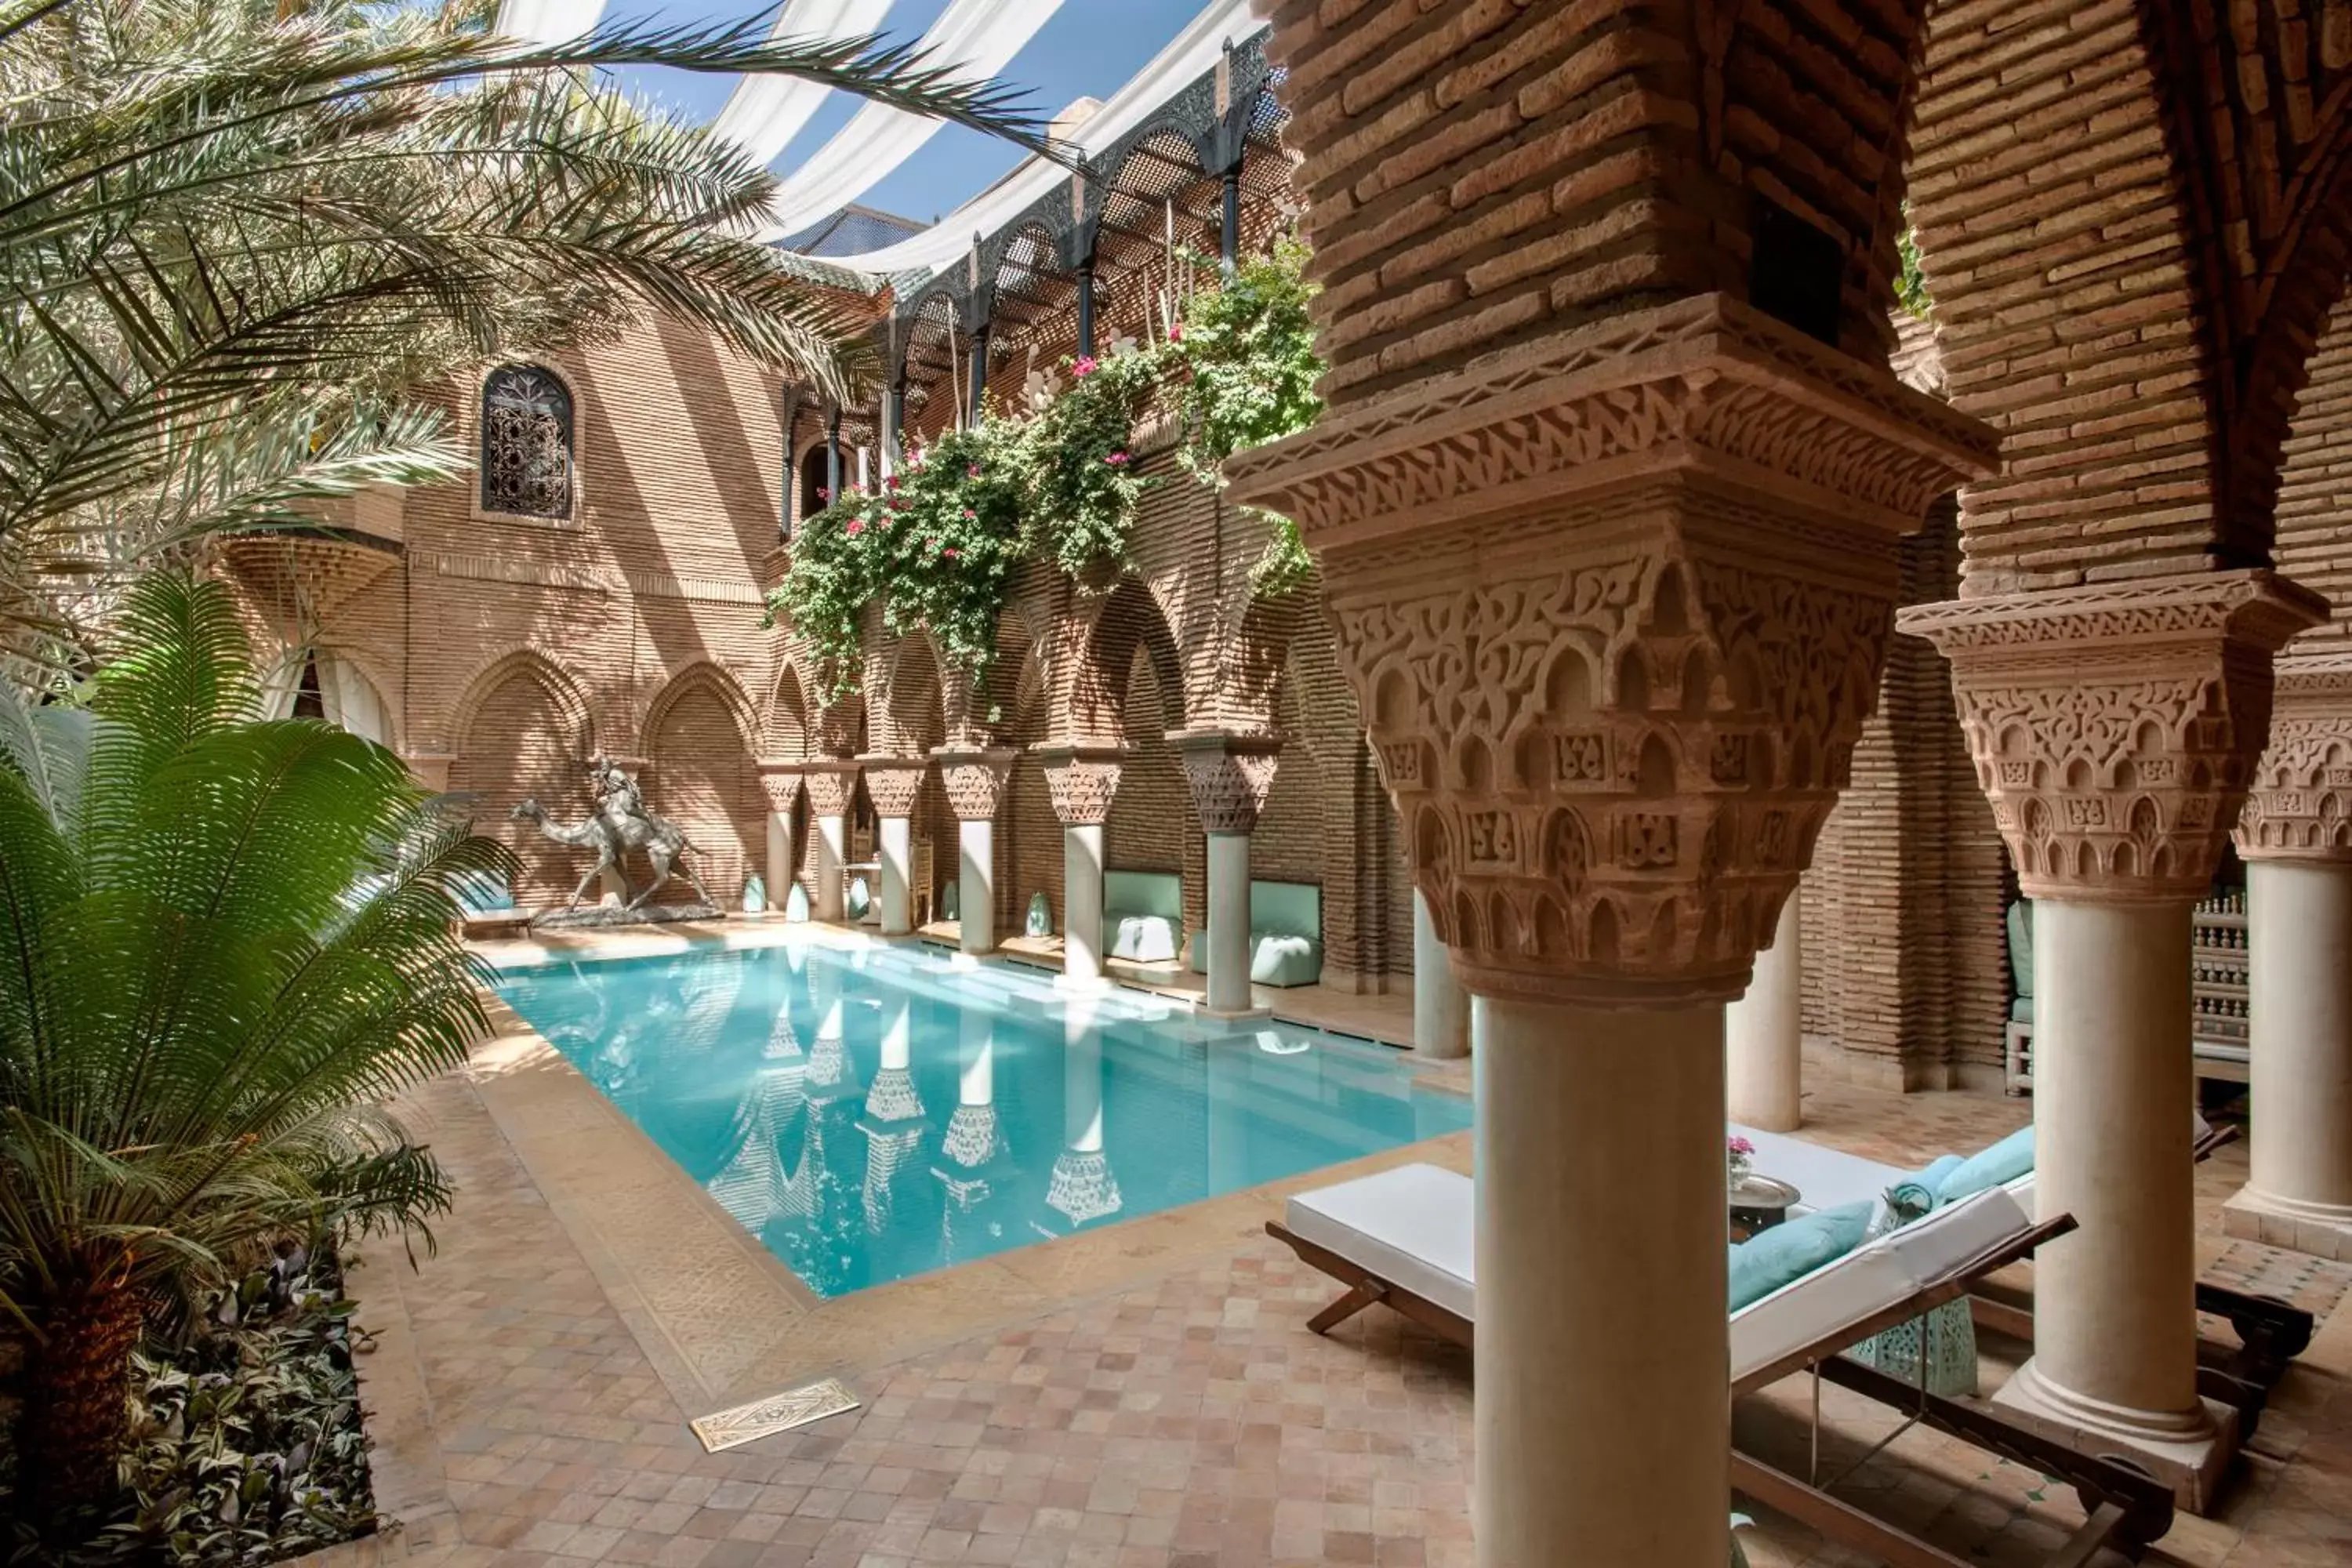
(2315, 507)
(2066, 304)
(1906, 962)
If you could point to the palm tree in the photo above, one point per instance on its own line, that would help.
(223, 942)
(237, 236)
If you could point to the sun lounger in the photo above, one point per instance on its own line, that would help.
(2271, 1333)
(1402, 1238)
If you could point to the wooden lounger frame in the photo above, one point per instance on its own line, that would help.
(2126, 1509)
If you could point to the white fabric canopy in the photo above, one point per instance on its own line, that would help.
(548, 21)
(767, 112)
(975, 36)
(1190, 55)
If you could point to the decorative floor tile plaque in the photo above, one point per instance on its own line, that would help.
(777, 1413)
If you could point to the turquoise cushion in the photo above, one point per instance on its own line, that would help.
(2020, 947)
(1921, 1190)
(1787, 1253)
(2004, 1161)
(2021, 1010)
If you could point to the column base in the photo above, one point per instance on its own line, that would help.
(2188, 1452)
(1233, 1015)
(2323, 1230)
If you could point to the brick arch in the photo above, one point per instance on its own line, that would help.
(701, 736)
(2133, 232)
(784, 732)
(2069, 308)
(2315, 508)
(1015, 672)
(522, 729)
(1131, 619)
(913, 698)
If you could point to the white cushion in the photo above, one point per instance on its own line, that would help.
(1824, 1178)
(1869, 1279)
(1143, 939)
(1413, 1227)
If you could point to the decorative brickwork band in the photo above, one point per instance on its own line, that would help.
(1704, 385)
(1082, 780)
(893, 783)
(1614, 605)
(781, 782)
(2115, 728)
(1229, 774)
(832, 785)
(2299, 807)
(975, 780)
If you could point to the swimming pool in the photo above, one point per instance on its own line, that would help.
(873, 1113)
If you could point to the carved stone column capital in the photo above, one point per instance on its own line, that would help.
(974, 779)
(782, 780)
(2299, 807)
(431, 768)
(1082, 779)
(2115, 727)
(1614, 603)
(1229, 774)
(832, 783)
(892, 783)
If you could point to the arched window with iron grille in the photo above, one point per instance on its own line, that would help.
(526, 443)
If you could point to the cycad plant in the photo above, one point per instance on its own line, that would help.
(238, 236)
(223, 942)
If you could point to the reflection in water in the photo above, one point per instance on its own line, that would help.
(798, 1086)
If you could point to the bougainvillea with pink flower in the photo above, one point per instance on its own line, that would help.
(938, 543)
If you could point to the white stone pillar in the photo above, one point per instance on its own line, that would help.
(1081, 901)
(1764, 1033)
(976, 884)
(894, 784)
(2296, 833)
(1229, 922)
(2299, 950)
(831, 784)
(975, 786)
(780, 782)
(1604, 1384)
(894, 841)
(1441, 1008)
(2114, 1317)
(1229, 774)
(1081, 780)
(2115, 728)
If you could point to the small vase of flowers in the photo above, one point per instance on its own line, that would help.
(1739, 1158)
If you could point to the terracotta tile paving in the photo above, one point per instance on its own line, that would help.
(1185, 1420)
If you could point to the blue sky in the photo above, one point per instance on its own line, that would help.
(1089, 47)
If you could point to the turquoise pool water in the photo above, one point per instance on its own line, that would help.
(875, 1113)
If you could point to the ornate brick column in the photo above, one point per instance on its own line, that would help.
(1082, 780)
(1614, 602)
(832, 785)
(2115, 729)
(1229, 775)
(975, 785)
(431, 769)
(780, 780)
(893, 785)
(2295, 836)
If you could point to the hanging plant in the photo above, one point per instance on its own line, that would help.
(1085, 487)
(832, 577)
(948, 537)
(1248, 349)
